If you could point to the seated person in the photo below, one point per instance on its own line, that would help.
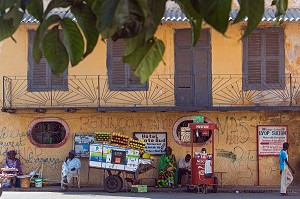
(69, 169)
(184, 167)
(167, 169)
(13, 162)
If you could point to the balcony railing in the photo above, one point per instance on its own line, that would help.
(222, 92)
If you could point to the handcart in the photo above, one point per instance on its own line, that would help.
(202, 167)
(115, 160)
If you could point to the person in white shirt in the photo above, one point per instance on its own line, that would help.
(184, 167)
(69, 169)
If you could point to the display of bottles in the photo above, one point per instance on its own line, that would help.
(102, 136)
(119, 139)
(136, 144)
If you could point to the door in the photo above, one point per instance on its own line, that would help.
(192, 69)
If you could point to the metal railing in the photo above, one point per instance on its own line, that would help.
(163, 91)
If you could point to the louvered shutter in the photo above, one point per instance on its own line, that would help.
(184, 95)
(254, 57)
(37, 73)
(121, 76)
(274, 56)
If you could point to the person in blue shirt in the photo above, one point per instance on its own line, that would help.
(285, 169)
(69, 168)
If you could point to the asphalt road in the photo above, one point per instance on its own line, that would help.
(124, 195)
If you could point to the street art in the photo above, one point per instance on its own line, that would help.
(31, 157)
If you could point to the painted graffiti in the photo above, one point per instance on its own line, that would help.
(31, 157)
(139, 124)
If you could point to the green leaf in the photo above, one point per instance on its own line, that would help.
(194, 17)
(146, 58)
(55, 52)
(39, 36)
(281, 7)
(73, 40)
(215, 12)
(254, 10)
(87, 22)
(36, 8)
(10, 22)
(5, 28)
(4, 4)
(241, 14)
(131, 44)
(155, 14)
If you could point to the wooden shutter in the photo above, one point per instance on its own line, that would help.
(254, 57)
(273, 55)
(120, 75)
(37, 73)
(184, 95)
(117, 67)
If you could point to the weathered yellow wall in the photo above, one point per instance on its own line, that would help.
(235, 142)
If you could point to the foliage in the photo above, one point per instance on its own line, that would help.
(135, 21)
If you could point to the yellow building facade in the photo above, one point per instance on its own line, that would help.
(237, 111)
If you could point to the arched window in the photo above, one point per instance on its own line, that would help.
(182, 133)
(48, 132)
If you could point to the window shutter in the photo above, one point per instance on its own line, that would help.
(254, 57)
(117, 65)
(272, 38)
(37, 72)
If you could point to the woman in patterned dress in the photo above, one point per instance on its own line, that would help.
(167, 170)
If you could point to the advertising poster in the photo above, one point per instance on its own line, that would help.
(270, 139)
(156, 142)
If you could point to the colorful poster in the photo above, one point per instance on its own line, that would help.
(270, 139)
(81, 145)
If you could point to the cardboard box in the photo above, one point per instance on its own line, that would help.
(139, 188)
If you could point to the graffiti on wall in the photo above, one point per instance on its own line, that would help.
(123, 123)
(31, 157)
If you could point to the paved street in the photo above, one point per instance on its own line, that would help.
(124, 195)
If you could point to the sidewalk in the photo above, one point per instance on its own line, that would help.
(224, 189)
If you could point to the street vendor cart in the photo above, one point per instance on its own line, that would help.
(202, 168)
(116, 158)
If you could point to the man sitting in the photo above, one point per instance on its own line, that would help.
(184, 167)
(69, 169)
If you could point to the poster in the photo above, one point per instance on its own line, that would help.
(156, 142)
(270, 139)
(81, 145)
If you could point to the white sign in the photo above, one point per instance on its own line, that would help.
(156, 143)
(270, 139)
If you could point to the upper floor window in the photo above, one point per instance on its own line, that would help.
(263, 59)
(48, 132)
(120, 74)
(40, 77)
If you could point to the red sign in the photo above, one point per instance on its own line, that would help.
(205, 126)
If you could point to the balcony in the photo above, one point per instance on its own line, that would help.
(223, 92)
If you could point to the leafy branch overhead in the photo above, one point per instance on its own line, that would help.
(135, 21)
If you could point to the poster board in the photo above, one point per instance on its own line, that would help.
(81, 145)
(270, 139)
(113, 157)
(156, 142)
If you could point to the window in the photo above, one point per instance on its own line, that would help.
(40, 77)
(120, 74)
(263, 59)
(48, 132)
(182, 133)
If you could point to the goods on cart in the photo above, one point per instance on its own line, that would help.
(137, 144)
(118, 139)
(102, 136)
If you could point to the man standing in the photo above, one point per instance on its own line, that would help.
(184, 167)
(69, 169)
(285, 167)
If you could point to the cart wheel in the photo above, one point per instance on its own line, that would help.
(215, 187)
(113, 183)
(188, 189)
(1, 190)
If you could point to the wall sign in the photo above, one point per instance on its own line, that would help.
(270, 139)
(81, 144)
(156, 142)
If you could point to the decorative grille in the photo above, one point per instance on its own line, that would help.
(48, 132)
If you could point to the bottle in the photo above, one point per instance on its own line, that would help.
(50, 139)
